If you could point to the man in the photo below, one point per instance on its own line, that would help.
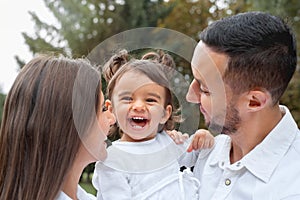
(242, 66)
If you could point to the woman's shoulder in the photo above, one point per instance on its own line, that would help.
(81, 194)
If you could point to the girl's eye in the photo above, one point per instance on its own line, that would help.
(151, 100)
(126, 99)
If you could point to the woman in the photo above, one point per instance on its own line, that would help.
(54, 124)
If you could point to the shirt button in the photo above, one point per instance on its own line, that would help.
(238, 164)
(227, 182)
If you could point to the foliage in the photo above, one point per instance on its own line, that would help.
(83, 24)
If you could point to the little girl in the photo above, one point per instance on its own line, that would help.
(144, 162)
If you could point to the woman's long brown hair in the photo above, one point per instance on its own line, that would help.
(38, 138)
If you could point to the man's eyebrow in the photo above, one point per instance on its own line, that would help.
(201, 84)
(199, 81)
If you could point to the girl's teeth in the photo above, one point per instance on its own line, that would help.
(139, 118)
(137, 127)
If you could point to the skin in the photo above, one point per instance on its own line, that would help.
(92, 149)
(247, 117)
(139, 98)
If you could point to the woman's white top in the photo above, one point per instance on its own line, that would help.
(81, 195)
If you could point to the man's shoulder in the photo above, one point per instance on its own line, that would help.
(222, 143)
(296, 144)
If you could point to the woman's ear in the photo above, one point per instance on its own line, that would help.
(109, 114)
(108, 105)
(258, 99)
(166, 114)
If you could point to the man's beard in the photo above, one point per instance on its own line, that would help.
(231, 124)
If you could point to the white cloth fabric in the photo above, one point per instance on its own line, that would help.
(81, 195)
(144, 170)
(270, 171)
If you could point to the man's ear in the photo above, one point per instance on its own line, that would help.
(258, 99)
(166, 114)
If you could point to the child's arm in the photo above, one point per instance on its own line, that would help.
(202, 139)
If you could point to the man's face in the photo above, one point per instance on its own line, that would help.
(210, 92)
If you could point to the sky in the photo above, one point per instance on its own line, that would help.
(15, 19)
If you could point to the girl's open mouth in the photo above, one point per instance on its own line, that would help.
(138, 122)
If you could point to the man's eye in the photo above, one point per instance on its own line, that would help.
(203, 91)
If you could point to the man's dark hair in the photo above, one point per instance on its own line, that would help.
(261, 49)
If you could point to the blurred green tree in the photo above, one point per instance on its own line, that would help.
(83, 24)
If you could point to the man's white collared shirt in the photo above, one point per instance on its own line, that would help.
(271, 171)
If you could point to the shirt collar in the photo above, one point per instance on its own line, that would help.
(265, 157)
(221, 155)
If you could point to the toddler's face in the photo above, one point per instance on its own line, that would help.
(138, 104)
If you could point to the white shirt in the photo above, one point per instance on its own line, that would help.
(81, 195)
(144, 170)
(271, 171)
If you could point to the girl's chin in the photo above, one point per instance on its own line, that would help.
(135, 128)
(137, 138)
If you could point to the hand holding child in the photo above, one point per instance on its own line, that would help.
(177, 136)
(202, 139)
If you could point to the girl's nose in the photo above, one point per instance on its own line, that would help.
(138, 105)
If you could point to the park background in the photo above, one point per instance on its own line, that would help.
(80, 25)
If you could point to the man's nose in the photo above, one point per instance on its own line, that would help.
(193, 95)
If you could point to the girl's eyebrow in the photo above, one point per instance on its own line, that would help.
(154, 94)
(124, 93)
(129, 93)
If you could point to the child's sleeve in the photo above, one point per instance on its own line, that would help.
(188, 159)
(110, 184)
